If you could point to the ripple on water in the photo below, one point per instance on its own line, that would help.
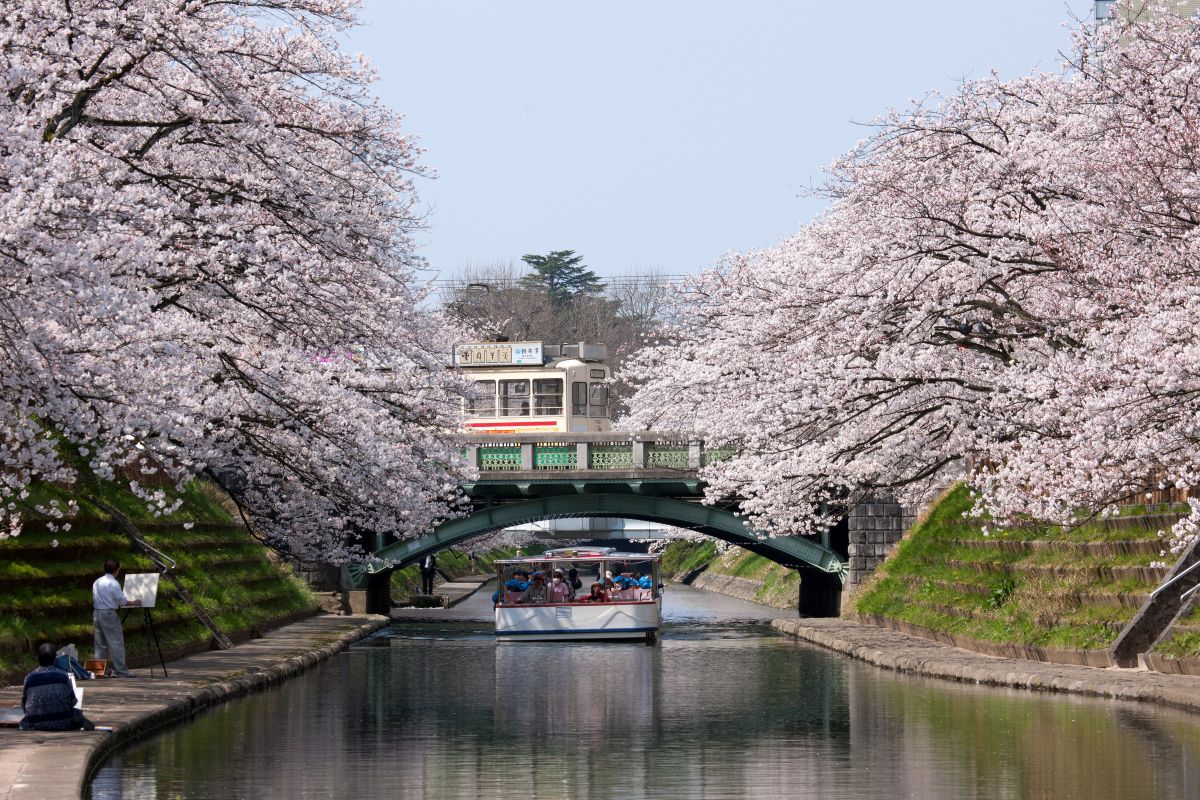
(720, 707)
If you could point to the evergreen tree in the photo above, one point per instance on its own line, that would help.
(562, 275)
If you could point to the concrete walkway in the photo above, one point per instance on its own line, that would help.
(460, 589)
(48, 766)
(904, 653)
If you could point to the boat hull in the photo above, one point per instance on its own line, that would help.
(629, 620)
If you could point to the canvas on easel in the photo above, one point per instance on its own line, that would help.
(142, 586)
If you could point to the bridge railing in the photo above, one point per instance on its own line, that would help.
(618, 452)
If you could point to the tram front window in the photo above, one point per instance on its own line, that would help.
(514, 398)
(579, 398)
(598, 402)
(548, 396)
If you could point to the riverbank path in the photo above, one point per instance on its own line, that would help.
(909, 654)
(460, 589)
(50, 766)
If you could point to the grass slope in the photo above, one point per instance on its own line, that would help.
(1041, 586)
(46, 576)
(1183, 639)
(778, 586)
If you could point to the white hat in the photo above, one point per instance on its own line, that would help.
(608, 574)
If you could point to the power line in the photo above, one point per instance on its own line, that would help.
(614, 281)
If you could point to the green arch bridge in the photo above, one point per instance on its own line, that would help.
(644, 476)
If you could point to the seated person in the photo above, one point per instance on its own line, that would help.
(49, 697)
(515, 585)
(560, 590)
(573, 579)
(536, 592)
(597, 595)
(645, 586)
(620, 589)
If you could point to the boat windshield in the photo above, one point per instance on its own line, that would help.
(560, 580)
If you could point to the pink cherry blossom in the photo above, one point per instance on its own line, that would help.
(195, 197)
(1004, 289)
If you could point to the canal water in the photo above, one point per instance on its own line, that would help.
(722, 707)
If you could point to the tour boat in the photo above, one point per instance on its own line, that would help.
(630, 609)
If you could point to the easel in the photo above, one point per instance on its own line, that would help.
(151, 636)
(144, 587)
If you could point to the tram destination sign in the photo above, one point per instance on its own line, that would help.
(498, 354)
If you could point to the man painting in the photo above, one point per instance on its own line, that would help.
(48, 698)
(107, 635)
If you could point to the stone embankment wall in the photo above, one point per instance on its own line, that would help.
(735, 573)
(741, 588)
(903, 652)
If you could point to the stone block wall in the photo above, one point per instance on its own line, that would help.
(875, 526)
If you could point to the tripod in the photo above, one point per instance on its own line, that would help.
(151, 639)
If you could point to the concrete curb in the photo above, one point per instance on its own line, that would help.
(61, 765)
(1052, 655)
(901, 652)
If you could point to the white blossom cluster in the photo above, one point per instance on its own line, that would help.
(194, 198)
(1005, 288)
(504, 539)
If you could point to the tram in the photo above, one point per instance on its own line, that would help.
(528, 387)
(620, 596)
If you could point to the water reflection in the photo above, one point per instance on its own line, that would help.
(713, 711)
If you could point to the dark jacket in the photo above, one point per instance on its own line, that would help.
(49, 701)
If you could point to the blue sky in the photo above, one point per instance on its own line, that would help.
(659, 135)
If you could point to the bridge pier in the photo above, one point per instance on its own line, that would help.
(650, 476)
(820, 594)
(379, 592)
(874, 528)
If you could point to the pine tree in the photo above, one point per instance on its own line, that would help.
(562, 275)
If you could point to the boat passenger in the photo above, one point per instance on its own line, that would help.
(537, 591)
(514, 586)
(597, 595)
(573, 579)
(630, 588)
(560, 590)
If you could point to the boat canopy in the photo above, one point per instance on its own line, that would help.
(578, 554)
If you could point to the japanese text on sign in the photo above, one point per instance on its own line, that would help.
(498, 354)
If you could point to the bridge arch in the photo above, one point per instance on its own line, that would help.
(790, 551)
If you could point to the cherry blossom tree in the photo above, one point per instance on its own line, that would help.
(205, 223)
(1003, 289)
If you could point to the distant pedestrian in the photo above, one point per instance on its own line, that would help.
(107, 635)
(48, 698)
(428, 571)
